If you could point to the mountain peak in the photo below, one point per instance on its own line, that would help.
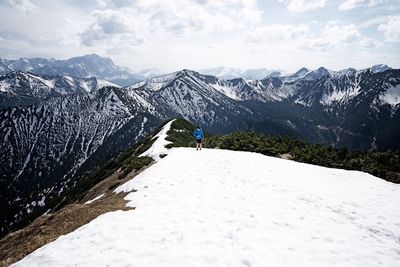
(316, 74)
(379, 68)
(186, 72)
(301, 70)
(301, 73)
(322, 70)
(274, 74)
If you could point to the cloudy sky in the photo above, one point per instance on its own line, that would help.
(194, 34)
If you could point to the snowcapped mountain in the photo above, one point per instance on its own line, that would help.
(301, 73)
(20, 88)
(356, 109)
(192, 96)
(242, 209)
(345, 108)
(380, 68)
(232, 73)
(349, 107)
(307, 74)
(82, 67)
(237, 89)
(317, 74)
(46, 146)
(223, 72)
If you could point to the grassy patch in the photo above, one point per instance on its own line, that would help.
(134, 164)
(181, 134)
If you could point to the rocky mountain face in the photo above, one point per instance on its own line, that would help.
(191, 95)
(356, 109)
(46, 146)
(83, 67)
(24, 88)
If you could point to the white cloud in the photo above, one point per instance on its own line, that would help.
(334, 34)
(298, 6)
(24, 6)
(276, 32)
(180, 16)
(108, 24)
(371, 22)
(176, 17)
(369, 43)
(173, 34)
(351, 4)
(391, 29)
(113, 3)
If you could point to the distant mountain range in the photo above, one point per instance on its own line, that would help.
(24, 88)
(81, 67)
(54, 128)
(232, 73)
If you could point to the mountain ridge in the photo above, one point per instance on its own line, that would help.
(25, 88)
(85, 66)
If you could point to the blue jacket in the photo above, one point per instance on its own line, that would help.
(198, 134)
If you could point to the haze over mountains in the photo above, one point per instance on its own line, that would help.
(83, 67)
(59, 124)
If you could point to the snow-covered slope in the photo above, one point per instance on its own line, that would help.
(158, 147)
(226, 208)
(191, 95)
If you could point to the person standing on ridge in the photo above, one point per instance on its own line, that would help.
(198, 136)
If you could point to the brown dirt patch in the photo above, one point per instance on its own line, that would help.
(49, 227)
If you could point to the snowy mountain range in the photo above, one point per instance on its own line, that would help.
(24, 88)
(356, 109)
(82, 67)
(45, 147)
(232, 73)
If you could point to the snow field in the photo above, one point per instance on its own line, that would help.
(94, 199)
(226, 208)
(158, 147)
